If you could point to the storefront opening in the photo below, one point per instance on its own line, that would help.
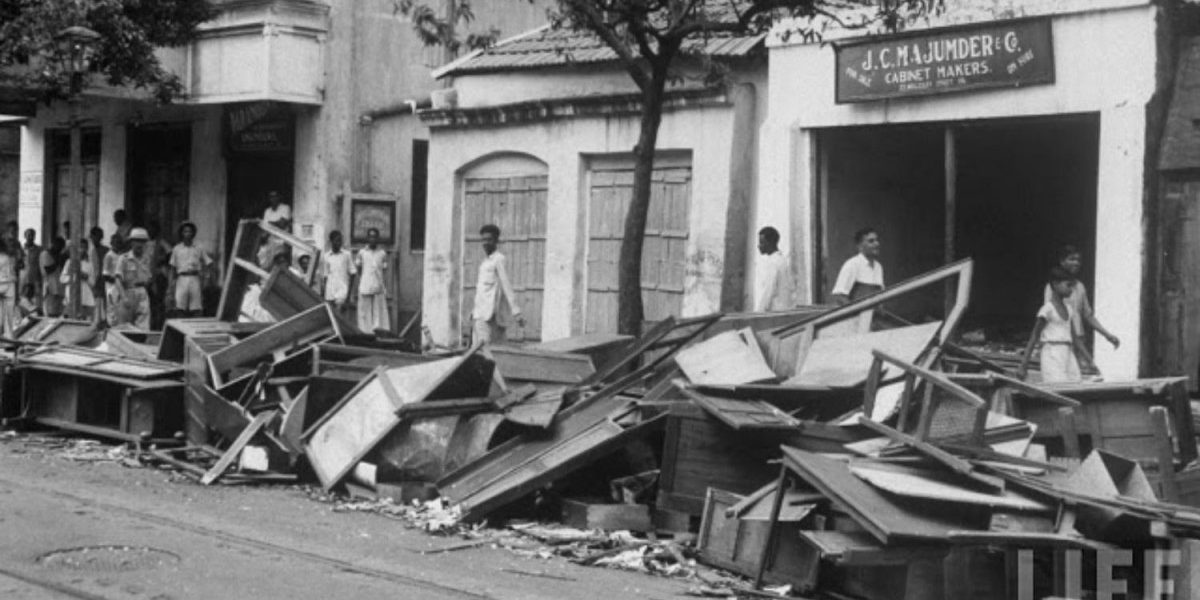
(1014, 190)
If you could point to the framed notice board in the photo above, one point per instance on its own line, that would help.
(366, 215)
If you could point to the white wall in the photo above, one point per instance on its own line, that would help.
(206, 196)
(564, 146)
(1104, 63)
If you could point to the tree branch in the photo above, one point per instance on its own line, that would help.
(601, 27)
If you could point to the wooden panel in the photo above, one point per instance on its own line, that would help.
(523, 364)
(366, 415)
(887, 520)
(733, 357)
(664, 246)
(754, 415)
(552, 464)
(313, 323)
(736, 545)
(843, 361)
(517, 205)
(929, 485)
(1178, 277)
(699, 452)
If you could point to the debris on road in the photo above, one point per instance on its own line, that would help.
(796, 450)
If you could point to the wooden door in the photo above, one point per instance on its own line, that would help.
(517, 205)
(64, 210)
(1178, 225)
(663, 253)
(158, 177)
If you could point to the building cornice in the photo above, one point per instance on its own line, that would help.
(568, 108)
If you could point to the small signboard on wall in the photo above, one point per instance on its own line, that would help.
(259, 128)
(366, 215)
(1009, 54)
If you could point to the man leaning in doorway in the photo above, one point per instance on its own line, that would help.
(861, 275)
(495, 301)
(277, 214)
(133, 275)
(772, 277)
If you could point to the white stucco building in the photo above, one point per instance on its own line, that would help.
(539, 140)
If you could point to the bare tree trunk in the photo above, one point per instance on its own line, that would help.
(630, 313)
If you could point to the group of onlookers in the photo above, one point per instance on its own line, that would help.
(138, 279)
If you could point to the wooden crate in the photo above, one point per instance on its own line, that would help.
(736, 545)
(701, 452)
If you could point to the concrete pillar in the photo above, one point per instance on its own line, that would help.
(33, 175)
(440, 299)
(566, 236)
(1120, 242)
(775, 155)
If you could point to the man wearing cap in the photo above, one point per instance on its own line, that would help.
(134, 275)
(188, 264)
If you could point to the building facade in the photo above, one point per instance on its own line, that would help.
(998, 130)
(539, 139)
(310, 98)
(996, 134)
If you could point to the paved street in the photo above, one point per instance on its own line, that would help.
(245, 542)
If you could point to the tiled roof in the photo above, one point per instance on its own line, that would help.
(546, 46)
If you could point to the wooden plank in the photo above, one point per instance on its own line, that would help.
(284, 296)
(844, 361)
(1023, 539)
(291, 429)
(929, 486)
(538, 410)
(592, 514)
(524, 364)
(236, 447)
(600, 347)
(314, 323)
(1166, 454)
(954, 463)
(729, 358)
(751, 415)
(634, 351)
(888, 521)
(444, 408)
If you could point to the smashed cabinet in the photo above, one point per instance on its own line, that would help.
(102, 394)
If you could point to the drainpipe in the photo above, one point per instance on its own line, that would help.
(367, 119)
(406, 107)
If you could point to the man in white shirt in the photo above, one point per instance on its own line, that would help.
(278, 214)
(337, 272)
(773, 277)
(372, 263)
(495, 300)
(862, 274)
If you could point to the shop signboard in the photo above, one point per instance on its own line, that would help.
(259, 127)
(1007, 54)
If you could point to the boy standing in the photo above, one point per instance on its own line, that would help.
(372, 301)
(52, 289)
(31, 269)
(1055, 331)
(494, 296)
(337, 271)
(188, 264)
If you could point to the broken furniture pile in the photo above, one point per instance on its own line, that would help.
(845, 450)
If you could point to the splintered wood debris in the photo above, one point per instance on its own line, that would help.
(809, 455)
